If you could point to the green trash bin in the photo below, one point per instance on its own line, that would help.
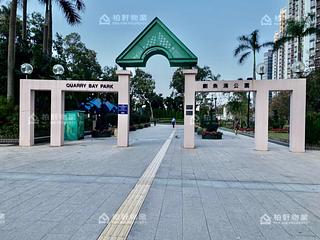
(73, 125)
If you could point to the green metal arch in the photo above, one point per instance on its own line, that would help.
(155, 39)
(156, 50)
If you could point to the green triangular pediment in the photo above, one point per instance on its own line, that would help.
(156, 38)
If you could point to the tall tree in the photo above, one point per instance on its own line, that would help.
(71, 10)
(80, 62)
(177, 81)
(237, 106)
(250, 45)
(297, 30)
(11, 49)
(110, 74)
(4, 36)
(24, 19)
(313, 91)
(204, 74)
(142, 88)
(280, 109)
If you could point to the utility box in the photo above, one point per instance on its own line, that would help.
(73, 125)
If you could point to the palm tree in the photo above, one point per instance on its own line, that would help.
(24, 20)
(11, 49)
(70, 8)
(297, 30)
(249, 44)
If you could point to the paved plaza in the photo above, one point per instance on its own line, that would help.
(223, 189)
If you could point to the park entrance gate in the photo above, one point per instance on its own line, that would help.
(156, 38)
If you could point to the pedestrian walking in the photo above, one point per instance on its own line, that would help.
(236, 126)
(173, 122)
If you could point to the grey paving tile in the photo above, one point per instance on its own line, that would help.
(169, 228)
(217, 191)
(56, 237)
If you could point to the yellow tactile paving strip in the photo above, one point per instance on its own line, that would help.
(122, 221)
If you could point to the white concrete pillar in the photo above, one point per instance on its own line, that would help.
(57, 118)
(124, 108)
(189, 106)
(27, 117)
(261, 119)
(297, 120)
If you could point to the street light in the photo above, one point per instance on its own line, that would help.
(58, 70)
(261, 69)
(26, 69)
(298, 68)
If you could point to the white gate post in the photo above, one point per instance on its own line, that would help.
(124, 108)
(27, 117)
(189, 106)
(261, 119)
(297, 119)
(57, 118)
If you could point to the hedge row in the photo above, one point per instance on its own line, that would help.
(112, 119)
(161, 113)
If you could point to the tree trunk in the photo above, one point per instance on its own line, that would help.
(299, 50)
(11, 50)
(49, 51)
(45, 31)
(254, 66)
(248, 110)
(254, 77)
(24, 20)
(151, 111)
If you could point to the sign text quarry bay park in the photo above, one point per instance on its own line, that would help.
(79, 86)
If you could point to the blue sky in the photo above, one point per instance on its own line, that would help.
(209, 28)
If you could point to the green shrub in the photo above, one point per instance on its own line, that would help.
(112, 119)
(313, 128)
(9, 119)
(132, 128)
(136, 118)
(10, 131)
(199, 130)
(162, 113)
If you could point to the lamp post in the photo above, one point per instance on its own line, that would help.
(261, 70)
(26, 69)
(58, 70)
(298, 68)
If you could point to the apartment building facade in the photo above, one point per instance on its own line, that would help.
(286, 56)
(279, 70)
(297, 10)
(317, 52)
